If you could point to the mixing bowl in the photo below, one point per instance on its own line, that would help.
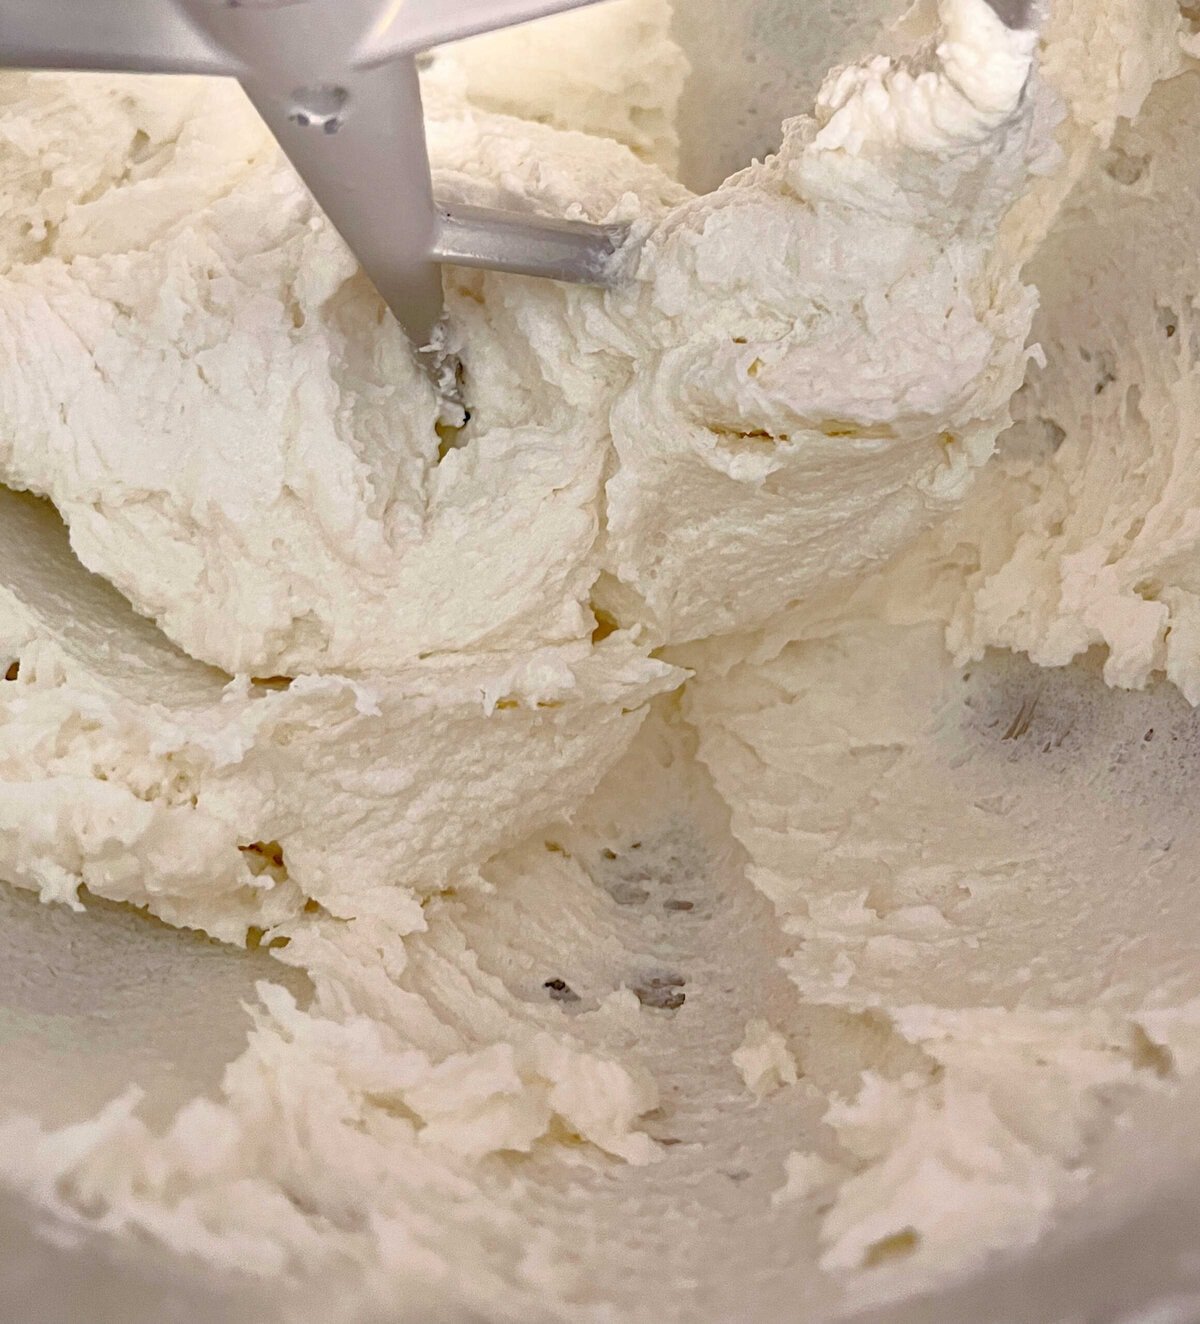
(89, 1004)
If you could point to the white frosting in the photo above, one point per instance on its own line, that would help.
(827, 344)
(610, 71)
(1087, 535)
(659, 876)
(765, 1061)
(145, 776)
(326, 534)
(272, 495)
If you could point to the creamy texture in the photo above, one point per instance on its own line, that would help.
(611, 71)
(667, 861)
(711, 377)
(1095, 535)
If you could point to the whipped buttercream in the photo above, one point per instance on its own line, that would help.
(668, 859)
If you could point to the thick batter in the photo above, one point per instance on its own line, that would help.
(620, 767)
